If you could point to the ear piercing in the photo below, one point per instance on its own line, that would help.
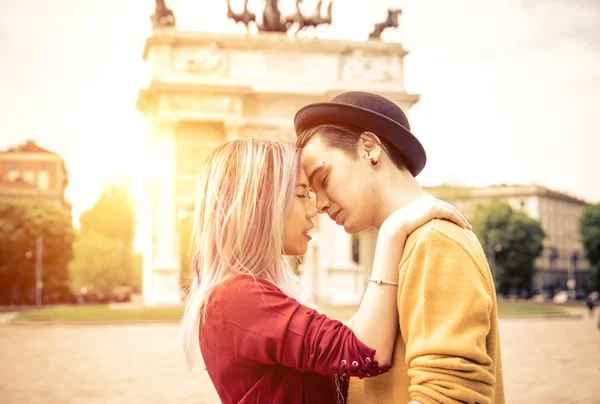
(373, 161)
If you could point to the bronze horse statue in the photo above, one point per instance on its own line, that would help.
(163, 16)
(272, 20)
(314, 20)
(390, 21)
(246, 17)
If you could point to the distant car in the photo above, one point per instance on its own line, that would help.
(122, 294)
(561, 297)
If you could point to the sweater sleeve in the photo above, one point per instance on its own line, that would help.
(263, 325)
(444, 310)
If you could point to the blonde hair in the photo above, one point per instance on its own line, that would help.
(244, 193)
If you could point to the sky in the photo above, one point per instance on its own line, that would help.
(510, 91)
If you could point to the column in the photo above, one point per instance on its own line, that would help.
(147, 226)
(311, 270)
(366, 254)
(342, 273)
(163, 286)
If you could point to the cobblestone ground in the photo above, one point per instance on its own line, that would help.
(545, 361)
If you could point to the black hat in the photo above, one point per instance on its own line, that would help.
(369, 112)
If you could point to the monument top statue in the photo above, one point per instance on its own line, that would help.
(390, 21)
(163, 16)
(272, 20)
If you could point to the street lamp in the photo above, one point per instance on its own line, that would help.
(39, 255)
(493, 249)
(571, 283)
(548, 280)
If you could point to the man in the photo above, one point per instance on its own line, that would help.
(362, 160)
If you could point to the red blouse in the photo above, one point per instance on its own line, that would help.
(261, 346)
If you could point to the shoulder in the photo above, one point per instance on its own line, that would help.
(442, 246)
(242, 287)
(241, 293)
(440, 233)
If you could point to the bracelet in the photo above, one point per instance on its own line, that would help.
(382, 282)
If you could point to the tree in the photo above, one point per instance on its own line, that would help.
(513, 239)
(589, 230)
(104, 257)
(21, 223)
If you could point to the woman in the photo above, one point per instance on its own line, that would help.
(259, 343)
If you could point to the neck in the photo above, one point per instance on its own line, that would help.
(395, 190)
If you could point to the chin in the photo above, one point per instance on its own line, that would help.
(296, 252)
(353, 228)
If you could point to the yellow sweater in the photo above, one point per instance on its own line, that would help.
(448, 347)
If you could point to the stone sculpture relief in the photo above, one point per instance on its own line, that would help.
(359, 65)
(208, 60)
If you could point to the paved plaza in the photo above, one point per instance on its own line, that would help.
(545, 361)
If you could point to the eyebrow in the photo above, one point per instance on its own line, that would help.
(302, 185)
(315, 172)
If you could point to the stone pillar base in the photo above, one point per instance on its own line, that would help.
(344, 281)
(164, 288)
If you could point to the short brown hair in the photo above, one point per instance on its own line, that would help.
(345, 138)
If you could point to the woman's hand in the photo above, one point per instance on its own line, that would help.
(414, 215)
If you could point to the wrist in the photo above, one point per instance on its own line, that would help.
(392, 234)
(387, 272)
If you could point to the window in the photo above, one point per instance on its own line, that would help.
(29, 176)
(43, 180)
(14, 175)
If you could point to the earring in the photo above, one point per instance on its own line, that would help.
(373, 161)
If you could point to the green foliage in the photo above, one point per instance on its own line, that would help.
(85, 313)
(104, 257)
(113, 215)
(21, 222)
(514, 240)
(589, 230)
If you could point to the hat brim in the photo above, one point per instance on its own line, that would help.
(346, 114)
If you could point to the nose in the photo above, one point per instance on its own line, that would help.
(322, 204)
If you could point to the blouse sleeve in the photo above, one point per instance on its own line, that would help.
(263, 325)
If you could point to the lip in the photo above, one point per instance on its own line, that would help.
(338, 218)
(305, 233)
(335, 215)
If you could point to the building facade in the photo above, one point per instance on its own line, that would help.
(558, 213)
(28, 171)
